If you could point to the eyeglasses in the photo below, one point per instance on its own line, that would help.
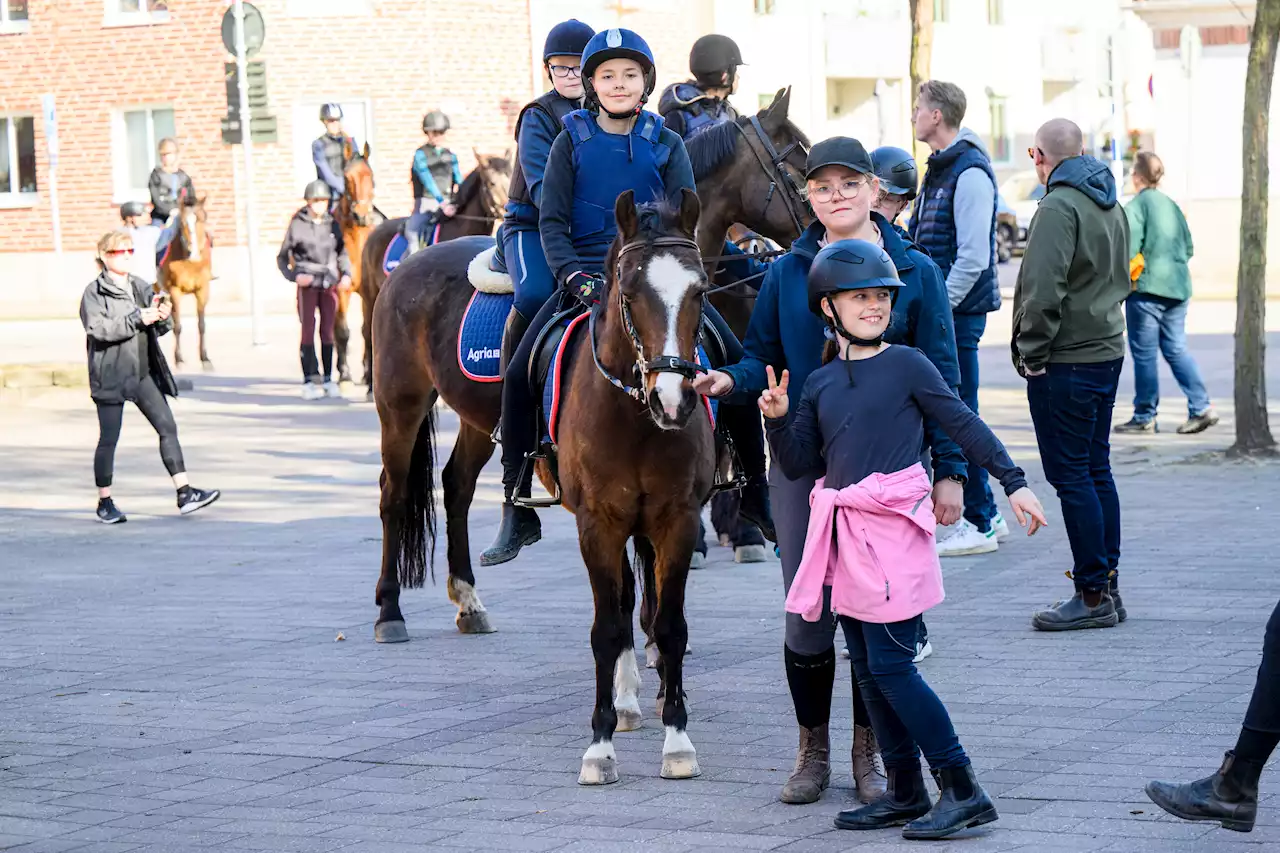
(119, 252)
(824, 193)
(563, 71)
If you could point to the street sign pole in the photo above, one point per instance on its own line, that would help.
(51, 148)
(251, 202)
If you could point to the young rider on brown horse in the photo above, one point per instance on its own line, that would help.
(435, 176)
(328, 151)
(612, 147)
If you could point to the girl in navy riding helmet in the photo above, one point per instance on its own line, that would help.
(613, 146)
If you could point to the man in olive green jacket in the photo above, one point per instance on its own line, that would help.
(1068, 341)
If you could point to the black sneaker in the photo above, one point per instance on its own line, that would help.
(108, 513)
(1135, 425)
(1199, 423)
(191, 499)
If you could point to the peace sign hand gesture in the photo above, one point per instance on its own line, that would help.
(773, 401)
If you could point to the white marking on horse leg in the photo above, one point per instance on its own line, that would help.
(679, 758)
(671, 280)
(599, 764)
(464, 595)
(626, 687)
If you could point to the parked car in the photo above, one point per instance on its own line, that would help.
(1021, 192)
(1006, 230)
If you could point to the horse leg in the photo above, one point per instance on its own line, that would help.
(470, 453)
(407, 496)
(603, 547)
(366, 331)
(342, 335)
(649, 599)
(202, 302)
(175, 299)
(626, 674)
(673, 547)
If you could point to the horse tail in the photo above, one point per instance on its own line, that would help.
(416, 545)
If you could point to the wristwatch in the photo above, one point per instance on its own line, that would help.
(958, 478)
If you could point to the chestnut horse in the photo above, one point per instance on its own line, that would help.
(187, 268)
(480, 202)
(627, 384)
(357, 218)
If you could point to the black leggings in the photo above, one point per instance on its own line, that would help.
(155, 409)
(1261, 732)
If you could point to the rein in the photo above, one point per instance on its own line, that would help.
(776, 173)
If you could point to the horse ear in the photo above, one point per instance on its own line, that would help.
(776, 113)
(202, 198)
(624, 211)
(690, 210)
(506, 155)
(480, 158)
(365, 152)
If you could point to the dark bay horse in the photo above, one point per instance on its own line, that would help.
(645, 333)
(480, 201)
(187, 268)
(356, 217)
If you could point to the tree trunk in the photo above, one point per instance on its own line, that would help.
(921, 57)
(1253, 432)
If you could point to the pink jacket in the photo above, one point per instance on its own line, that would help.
(872, 543)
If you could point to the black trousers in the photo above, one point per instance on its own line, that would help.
(1264, 708)
(156, 410)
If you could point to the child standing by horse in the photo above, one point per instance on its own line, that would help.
(436, 177)
(859, 425)
(314, 258)
(605, 150)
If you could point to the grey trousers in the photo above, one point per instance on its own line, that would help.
(790, 499)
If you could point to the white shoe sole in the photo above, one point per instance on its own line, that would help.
(187, 509)
(925, 652)
(985, 548)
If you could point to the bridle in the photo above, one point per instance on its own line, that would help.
(773, 162)
(643, 366)
(348, 205)
(487, 201)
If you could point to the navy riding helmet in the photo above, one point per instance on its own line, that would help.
(896, 169)
(850, 265)
(568, 38)
(617, 44)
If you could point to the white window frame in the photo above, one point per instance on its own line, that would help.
(11, 199)
(328, 8)
(942, 11)
(764, 8)
(113, 17)
(1002, 102)
(7, 26)
(121, 191)
(996, 13)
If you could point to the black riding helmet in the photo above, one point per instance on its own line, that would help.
(317, 189)
(132, 208)
(331, 112)
(896, 169)
(715, 54)
(435, 121)
(849, 265)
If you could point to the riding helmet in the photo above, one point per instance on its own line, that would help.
(132, 208)
(435, 120)
(714, 53)
(849, 265)
(317, 189)
(839, 151)
(896, 169)
(331, 112)
(617, 44)
(568, 38)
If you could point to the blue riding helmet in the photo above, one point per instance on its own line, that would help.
(849, 265)
(568, 38)
(617, 44)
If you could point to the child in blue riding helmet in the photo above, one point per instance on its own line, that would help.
(695, 105)
(436, 176)
(610, 147)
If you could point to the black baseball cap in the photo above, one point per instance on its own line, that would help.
(839, 151)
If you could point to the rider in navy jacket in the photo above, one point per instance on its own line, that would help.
(693, 106)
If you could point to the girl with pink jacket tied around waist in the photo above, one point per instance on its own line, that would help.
(860, 425)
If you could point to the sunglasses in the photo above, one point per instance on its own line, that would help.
(120, 252)
(1033, 151)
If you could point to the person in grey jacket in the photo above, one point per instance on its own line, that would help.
(123, 319)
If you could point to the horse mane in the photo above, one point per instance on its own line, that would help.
(709, 150)
(656, 219)
(470, 185)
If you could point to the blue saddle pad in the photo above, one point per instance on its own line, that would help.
(480, 338)
(395, 253)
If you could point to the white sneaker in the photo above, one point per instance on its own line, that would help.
(1001, 527)
(844, 653)
(923, 650)
(966, 540)
(312, 391)
(332, 389)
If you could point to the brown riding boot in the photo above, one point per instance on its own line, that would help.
(813, 767)
(868, 769)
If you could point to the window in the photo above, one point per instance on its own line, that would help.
(356, 123)
(132, 13)
(941, 11)
(135, 134)
(995, 12)
(17, 159)
(1001, 148)
(764, 7)
(13, 16)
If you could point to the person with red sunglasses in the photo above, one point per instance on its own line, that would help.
(123, 319)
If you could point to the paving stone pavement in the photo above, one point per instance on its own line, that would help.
(174, 684)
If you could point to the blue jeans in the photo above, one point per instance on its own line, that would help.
(908, 717)
(1159, 324)
(1071, 407)
(530, 274)
(979, 505)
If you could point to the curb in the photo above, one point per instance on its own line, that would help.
(45, 375)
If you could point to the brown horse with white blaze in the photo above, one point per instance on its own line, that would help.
(187, 268)
(357, 218)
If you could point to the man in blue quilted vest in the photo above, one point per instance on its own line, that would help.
(954, 220)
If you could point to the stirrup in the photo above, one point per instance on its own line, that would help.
(737, 480)
(526, 468)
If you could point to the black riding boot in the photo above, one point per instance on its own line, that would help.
(962, 803)
(516, 326)
(905, 798)
(1229, 796)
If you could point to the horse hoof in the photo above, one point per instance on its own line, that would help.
(598, 771)
(391, 632)
(629, 719)
(680, 765)
(207, 365)
(476, 622)
(650, 655)
(749, 554)
(698, 560)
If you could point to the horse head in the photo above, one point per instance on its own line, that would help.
(191, 226)
(495, 181)
(357, 202)
(656, 272)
